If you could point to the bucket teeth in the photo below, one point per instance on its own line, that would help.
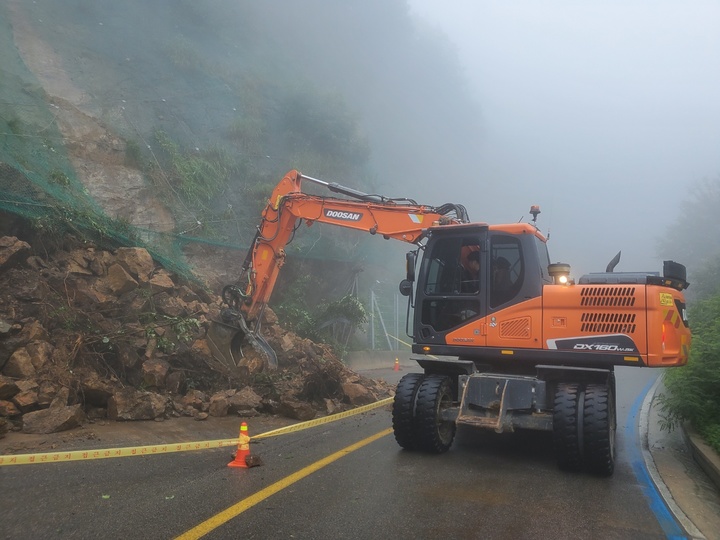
(226, 339)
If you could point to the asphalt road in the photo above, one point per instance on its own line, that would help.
(486, 486)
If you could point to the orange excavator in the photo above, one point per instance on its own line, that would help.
(506, 339)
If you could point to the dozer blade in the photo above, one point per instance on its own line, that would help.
(229, 340)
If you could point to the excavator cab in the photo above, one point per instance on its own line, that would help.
(468, 273)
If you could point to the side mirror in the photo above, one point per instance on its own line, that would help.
(410, 260)
(406, 287)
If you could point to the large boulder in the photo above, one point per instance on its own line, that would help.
(78, 262)
(18, 336)
(8, 388)
(298, 410)
(119, 281)
(46, 393)
(40, 353)
(161, 282)
(12, 251)
(8, 409)
(26, 401)
(193, 402)
(170, 306)
(357, 394)
(154, 372)
(54, 419)
(137, 261)
(131, 404)
(219, 404)
(20, 365)
(244, 402)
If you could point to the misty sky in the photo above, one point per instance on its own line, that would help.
(604, 113)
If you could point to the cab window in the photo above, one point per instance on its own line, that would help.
(507, 269)
(452, 286)
(543, 259)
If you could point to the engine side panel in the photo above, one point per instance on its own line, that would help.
(593, 324)
(596, 319)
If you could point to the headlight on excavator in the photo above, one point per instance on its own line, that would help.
(560, 272)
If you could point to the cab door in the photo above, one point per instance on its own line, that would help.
(515, 278)
(451, 295)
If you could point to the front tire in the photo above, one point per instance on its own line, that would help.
(433, 434)
(568, 426)
(403, 411)
(599, 429)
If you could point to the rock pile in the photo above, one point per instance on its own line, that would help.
(89, 333)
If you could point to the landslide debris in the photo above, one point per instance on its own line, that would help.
(89, 333)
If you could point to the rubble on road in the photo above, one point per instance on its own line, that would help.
(89, 334)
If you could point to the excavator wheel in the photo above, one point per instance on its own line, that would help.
(568, 425)
(432, 433)
(599, 426)
(403, 411)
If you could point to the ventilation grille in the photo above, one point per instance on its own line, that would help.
(608, 323)
(607, 296)
(516, 328)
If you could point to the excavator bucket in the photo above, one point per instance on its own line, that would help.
(237, 348)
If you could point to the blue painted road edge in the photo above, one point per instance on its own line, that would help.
(666, 519)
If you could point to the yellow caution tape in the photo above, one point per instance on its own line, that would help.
(82, 455)
(323, 420)
(165, 448)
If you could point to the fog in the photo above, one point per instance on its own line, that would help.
(604, 113)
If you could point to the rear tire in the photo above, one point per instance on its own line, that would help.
(568, 426)
(599, 429)
(432, 433)
(403, 411)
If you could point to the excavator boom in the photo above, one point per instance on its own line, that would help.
(288, 206)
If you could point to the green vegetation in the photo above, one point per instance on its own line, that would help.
(60, 178)
(134, 156)
(197, 176)
(87, 224)
(331, 322)
(692, 392)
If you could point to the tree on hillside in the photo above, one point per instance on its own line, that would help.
(691, 241)
(692, 391)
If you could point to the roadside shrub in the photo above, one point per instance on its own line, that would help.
(692, 392)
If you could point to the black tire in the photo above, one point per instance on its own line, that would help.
(567, 426)
(599, 429)
(432, 433)
(403, 411)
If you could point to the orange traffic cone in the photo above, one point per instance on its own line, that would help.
(397, 365)
(243, 449)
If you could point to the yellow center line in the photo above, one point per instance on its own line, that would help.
(235, 510)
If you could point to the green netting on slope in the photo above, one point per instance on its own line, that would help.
(34, 169)
(37, 179)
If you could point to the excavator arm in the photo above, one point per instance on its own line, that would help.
(287, 208)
